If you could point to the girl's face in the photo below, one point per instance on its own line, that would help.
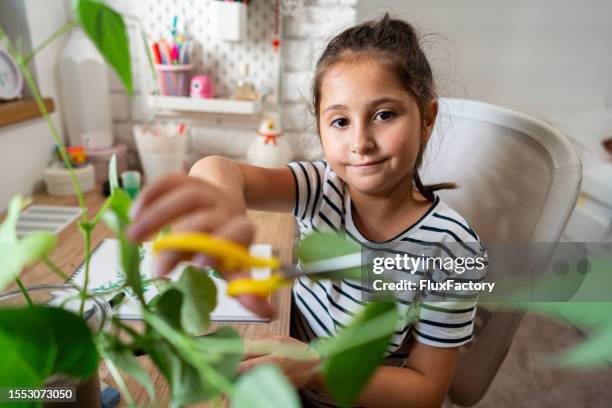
(370, 127)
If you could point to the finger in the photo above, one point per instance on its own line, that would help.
(240, 230)
(165, 262)
(150, 192)
(258, 305)
(166, 209)
(204, 260)
(263, 344)
(257, 347)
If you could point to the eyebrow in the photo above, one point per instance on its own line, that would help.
(375, 102)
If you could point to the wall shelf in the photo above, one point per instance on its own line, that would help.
(175, 104)
(13, 112)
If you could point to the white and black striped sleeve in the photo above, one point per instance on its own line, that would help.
(447, 318)
(309, 178)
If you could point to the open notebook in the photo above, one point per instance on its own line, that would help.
(105, 273)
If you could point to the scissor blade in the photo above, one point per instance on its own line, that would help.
(326, 265)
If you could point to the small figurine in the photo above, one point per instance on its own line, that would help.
(245, 91)
(201, 87)
(76, 154)
(269, 149)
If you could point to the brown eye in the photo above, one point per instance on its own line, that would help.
(384, 115)
(340, 123)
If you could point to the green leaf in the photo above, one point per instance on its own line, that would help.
(77, 355)
(10, 265)
(36, 246)
(264, 386)
(188, 359)
(350, 361)
(593, 316)
(169, 305)
(180, 361)
(183, 378)
(200, 299)
(594, 352)
(217, 344)
(320, 246)
(118, 219)
(28, 349)
(113, 180)
(106, 29)
(8, 229)
(130, 261)
(38, 342)
(124, 358)
(120, 207)
(11, 261)
(583, 314)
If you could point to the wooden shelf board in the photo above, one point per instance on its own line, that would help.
(13, 112)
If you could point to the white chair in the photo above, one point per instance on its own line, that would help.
(518, 180)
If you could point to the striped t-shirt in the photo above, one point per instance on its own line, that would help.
(322, 308)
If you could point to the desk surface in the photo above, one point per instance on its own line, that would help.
(272, 228)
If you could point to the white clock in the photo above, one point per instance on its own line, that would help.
(11, 80)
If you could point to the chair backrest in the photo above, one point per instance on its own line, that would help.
(518, 180)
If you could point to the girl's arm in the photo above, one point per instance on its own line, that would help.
(253, 187)
(212, 199)
(424, 382)
(216, 190)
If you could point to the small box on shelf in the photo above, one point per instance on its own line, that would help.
(229, 20)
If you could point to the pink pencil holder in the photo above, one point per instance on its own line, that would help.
(173, 79)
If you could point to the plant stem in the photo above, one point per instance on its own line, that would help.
(66, 27)
(24, 291)
(86, 230)
(100, 213)
(215, 379)
(127, 328)
(55, 269)
(120, 382)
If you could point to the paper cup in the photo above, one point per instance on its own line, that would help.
(156, 165)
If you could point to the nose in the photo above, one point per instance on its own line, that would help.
(363, 140)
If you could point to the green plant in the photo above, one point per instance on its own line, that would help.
(39, 342)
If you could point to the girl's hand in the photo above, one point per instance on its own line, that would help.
(301, 370)
(190, 204)
(194, 205)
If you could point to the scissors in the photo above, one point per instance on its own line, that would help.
(232, 256)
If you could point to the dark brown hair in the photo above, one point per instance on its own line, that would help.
(394, 43)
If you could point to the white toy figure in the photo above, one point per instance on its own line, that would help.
(269, 149)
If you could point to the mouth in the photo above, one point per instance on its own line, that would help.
(368, 164)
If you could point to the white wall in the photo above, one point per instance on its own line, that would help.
(26, 148)
(548, 58)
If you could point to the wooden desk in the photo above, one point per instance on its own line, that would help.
(272, 228)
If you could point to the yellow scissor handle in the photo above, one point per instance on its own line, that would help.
(231, 256)
(262, 287)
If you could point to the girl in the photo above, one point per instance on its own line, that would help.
(375, 106)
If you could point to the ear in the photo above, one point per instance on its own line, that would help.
(431, 112)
